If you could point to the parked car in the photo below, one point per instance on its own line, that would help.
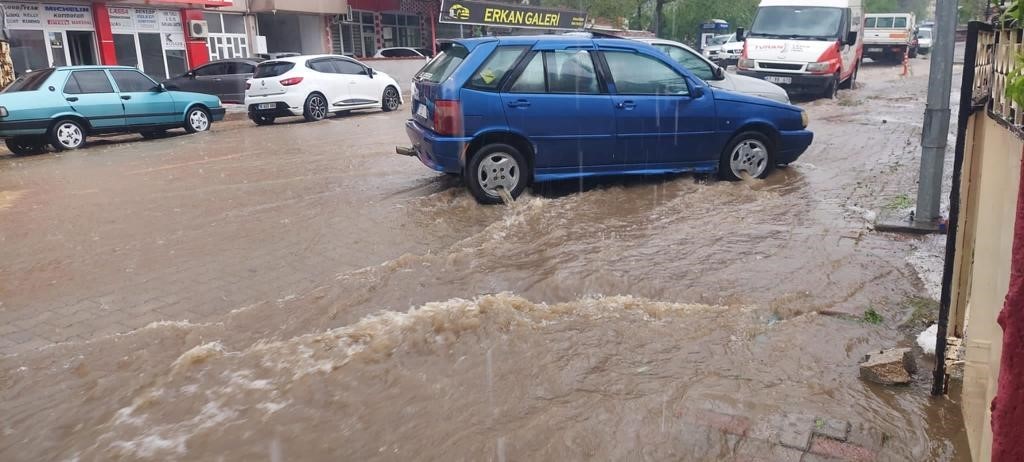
(509, 111)
(724, 49)
(224, 78)
(716, 76)
(924, 40)
(278, 54)
(62, 106)
(403, 52)
(313, 86)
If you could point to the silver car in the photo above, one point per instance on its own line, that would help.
(716, 76)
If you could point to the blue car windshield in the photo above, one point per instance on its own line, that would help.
(30, 82)
(797, 22)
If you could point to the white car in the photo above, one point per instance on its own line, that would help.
(731, 52)
(314, 86)
(716, 76)
(403, 52)
(715, 50)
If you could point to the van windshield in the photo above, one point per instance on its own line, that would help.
(797, 22)
(442, 67)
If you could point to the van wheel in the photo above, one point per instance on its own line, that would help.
(390, 100)
(851, 83)
(66, 134)
(832, 91)
(25, 145)
(493, 167)
(197, 120)
(315, 108)
(749, 153)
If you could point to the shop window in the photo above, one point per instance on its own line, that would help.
(28, 50)
(124, 49)
(401, 30)
(152, 54)
(177, 62)
(213, 22)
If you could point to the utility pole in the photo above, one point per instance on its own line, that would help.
(936, 116)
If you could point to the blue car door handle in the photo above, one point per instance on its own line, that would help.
(519, 103)
(72, 99)
(126, 97)
(627, 105)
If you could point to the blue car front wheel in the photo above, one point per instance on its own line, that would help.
(67, 134)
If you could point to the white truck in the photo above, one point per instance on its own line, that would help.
(805, 46)
(889, 36)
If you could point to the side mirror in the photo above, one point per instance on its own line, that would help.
(370, 72)
(741, 34)
(851, 37)
(697, 91)
(190, 75)
(719, 73)
(160, 88)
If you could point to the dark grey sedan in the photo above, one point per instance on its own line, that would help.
(224, 78)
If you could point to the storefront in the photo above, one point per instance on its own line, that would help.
(152, 40)
(45, 35)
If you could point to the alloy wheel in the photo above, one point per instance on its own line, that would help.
(498, 170)
(70, 135)
(391, 100)
(317, 107)
(749, 156)
(199, 120)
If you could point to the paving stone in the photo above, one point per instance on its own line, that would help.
(754, 450)
(840, 450)
(865, 436)
(794, 430)
(832, 428)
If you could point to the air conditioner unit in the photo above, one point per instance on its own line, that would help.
(198, 29)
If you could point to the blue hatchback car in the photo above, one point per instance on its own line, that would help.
(505, 112)
(61, 106)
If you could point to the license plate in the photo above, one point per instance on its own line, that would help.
(780, 80)
(421, 111)
(266, 106)
(875, 49)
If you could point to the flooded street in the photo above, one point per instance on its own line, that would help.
(299, 292)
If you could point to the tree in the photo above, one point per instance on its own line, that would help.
(684, 17)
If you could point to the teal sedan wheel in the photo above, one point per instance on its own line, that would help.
(67, 134)
(197, 120)
(25, 145)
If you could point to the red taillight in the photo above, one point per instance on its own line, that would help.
(447, 117)
(291, 81)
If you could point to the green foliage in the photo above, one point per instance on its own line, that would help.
(1014, 13)
(872, 317)
(1015, 82)
(683, 17)
(918, 7)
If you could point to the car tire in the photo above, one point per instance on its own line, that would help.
(262, 119)
(197, 119)
(390, 100)
(315, 107)
(749, 151)
(912, 53)
(25, 145)
(153, 134)
(496, 165)
(66, 134)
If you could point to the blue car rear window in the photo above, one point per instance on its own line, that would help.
(30, 82)
(444, 65)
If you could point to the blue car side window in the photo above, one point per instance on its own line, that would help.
(638, 74)
(493, 71)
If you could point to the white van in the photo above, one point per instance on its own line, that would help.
(806, 46)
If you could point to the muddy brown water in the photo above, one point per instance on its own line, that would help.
(585, 321)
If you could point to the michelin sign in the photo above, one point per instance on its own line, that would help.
(509, 15)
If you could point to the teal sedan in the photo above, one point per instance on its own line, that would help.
(61, 106)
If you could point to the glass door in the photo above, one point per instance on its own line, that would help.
(57, 49)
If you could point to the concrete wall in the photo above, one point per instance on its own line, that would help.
(402, 70)
(991, 181)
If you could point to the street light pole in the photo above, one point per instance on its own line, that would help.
(936, 115)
